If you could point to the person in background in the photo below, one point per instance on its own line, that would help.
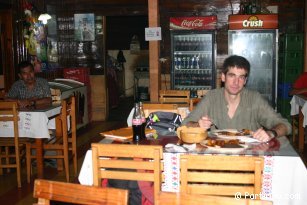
(29, 90)
(300, 85)
(236, 107)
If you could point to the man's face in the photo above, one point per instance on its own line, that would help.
(27, 75)
(234, 80)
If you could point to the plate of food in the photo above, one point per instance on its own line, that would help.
(221, 145)
(243, 135)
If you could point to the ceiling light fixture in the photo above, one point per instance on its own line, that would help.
(44, 18)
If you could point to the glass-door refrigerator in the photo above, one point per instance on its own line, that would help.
(255, 37)
(193, 52)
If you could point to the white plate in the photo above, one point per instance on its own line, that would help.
(224, 150)
(242, 138)
(220, 135)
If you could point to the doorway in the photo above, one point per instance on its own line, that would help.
(120, 31)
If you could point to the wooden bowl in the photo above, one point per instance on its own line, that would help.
(191, 135)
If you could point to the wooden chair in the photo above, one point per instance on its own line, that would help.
(64, 141)
(47, 191)
(118, 161)
(12, 150)
(174, 96)
(154, 107)
(220, 175)
(195, 101)
(196, 199)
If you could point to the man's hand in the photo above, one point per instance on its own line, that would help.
(205, 122)
(262, 135)
(24, 103)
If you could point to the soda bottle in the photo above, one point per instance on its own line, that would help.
(143, 121)
(137, 123)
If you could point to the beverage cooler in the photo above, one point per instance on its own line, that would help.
(193, 52)
(256, 38)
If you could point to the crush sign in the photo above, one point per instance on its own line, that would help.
(253, 22)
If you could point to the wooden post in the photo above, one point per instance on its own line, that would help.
(154, 51)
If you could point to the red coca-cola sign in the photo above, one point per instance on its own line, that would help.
(193, 23)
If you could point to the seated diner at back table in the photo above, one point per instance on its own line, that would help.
(29, 90)
(235, 107)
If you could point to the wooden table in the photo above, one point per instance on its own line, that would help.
(285, 174)
(299, 106)
(35, 123)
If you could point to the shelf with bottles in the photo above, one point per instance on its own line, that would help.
(194, 71)
(192, 79)
(193, 88)
(194, 42)
(192, 60)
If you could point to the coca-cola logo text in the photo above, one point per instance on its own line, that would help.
(193, 23)
(252, 22)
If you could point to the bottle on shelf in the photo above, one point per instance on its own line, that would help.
(143, 120)
(137, 123)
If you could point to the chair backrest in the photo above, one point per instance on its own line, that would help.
(220, 175)
(127, 162)
(196, 199)
(174, 96)
(69, 112)
(193, 103)
(46, 191)
(154, 107)
(9, 113)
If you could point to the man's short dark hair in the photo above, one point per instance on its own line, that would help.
(24, 64)
(236, 61)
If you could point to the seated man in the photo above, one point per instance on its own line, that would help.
(236, 107)
(29, 90)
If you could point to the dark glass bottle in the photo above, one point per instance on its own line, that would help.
(143, 121)
(137, 123)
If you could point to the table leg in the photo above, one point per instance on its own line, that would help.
(39, 158)
(58, 134)
(301, 139)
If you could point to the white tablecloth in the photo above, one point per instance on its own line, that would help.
(297, 102)
(32, 124)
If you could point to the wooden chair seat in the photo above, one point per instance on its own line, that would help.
(220, 175)
(12, 149)
(46, 191)
(64, 141)
(196, 199)
(127, 162)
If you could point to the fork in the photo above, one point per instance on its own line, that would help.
(216, 127)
